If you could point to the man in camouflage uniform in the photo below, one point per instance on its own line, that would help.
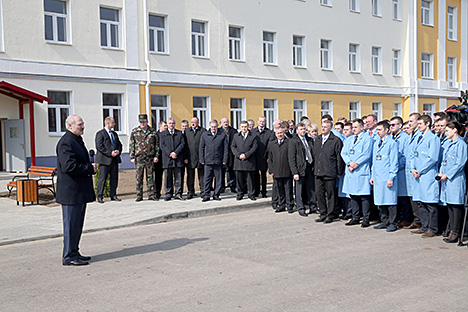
(144, 152)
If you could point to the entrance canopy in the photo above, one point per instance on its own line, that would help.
(24, 97)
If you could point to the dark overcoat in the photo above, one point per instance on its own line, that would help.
(230, 133)
(296, 154)
(214, 150)
(327, 157)
(248, 147)
(74, 171)
(172, 143)
(278, 159)
(263, 139)
(104, 147)
(193, 146)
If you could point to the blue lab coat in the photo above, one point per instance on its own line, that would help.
(425, 161)
(402, 141)
(338, 134)
(409, 156)
(358, 181)
(454, 156)
(384, 168)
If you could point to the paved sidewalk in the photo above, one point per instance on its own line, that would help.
(33, 222)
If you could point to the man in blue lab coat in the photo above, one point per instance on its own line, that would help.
(410, 181)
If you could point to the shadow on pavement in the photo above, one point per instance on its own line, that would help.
(139, 250)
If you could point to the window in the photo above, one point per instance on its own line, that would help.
(236, 43)
(354, 5)
(327, 108)
(377, 110)
(110, 28)
(300, 110)
(112, 106)
(376, 8)
(396, 63)
(55, 21)
(396, 10)
(298, 51)
(237, 111)
(269, 47)
(201, 109)
(1, 28)
(354, 110)
(160, 109)
(199, 39)
(426, 12)
(326, 2)
(157, 34)
(325, 54)
(58, 111)
(426, 65)
(429, 109)
(354, 58)
(451, 71)
(270, 108)
(452, 23)
(397, 109)
(376, 60)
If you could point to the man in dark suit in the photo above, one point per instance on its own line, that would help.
(228, 171)
(301, 164)
(172, 147)
(264, 136)
(184, 124)
(214, 154)
(108, 148)
(244, 146)
(74, 188)
(193, 135)
(158, 169)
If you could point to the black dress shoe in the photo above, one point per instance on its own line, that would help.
(76, 262)
(239, 197)
(280, 210)
(167, 198)
(233, 190)
(291, 210)
(216, 198)
(313, 210)
(365, 224)
(302, 212)
(274, 206)
(264, 196)
(205, 199)
(345, 217)
(84, 258)
(189, 196)
(328, 220)
(115, 198)
(179, 197)
(352, 222)
(252, 198)
(138, 199)
(100, 200)
(321, 219)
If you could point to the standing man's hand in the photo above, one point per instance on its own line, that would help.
(242, 156)
(371, 181)
(133, 161)
(155, 159)
(296, 177)
(94, 167)
(186, 161)
(389, 183)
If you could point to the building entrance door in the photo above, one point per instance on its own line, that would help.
(15, 151)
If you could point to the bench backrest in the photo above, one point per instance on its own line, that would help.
(42, 171)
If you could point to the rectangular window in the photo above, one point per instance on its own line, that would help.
(396, 62)
(326, 108)
(451, 71)
(157, 34)
(397, 109)
(427, 65)
(270, 109)
(427, 15)
(377, 110)
(201, 109)
(236, 43)
(237, 111)
(354, 5)
(199, 39)
(396, 10)
(58, 111)
(298, 51)
(300, 110)
(110, 28)
(376, 60)
(112, 106)
(452, 23)
(269, 47)
(429, 109)
(354, 110)
(325, 54)
(56, 21)
(160, 109)
(354, 58)
(326, 2)
(376, 7)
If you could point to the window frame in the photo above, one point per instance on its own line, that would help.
(57, 107)
(270, 118)
(396, 10)
(397, 109)
(157, 29)
(376, 60)
(113, 108)
(356, 3)
(232, 40)
(273, 49)
(326, 54)
(432, 111)
(204, 35)
(302, 49)
(2, 43)
(379, 111)
(158, 109)
(108, 29)
(328, 110)
(357, 55)
(453, 30)
(234, 122)
(427, 12)
(356, 111)
(396, 61)
(55, 17)
(430, 66)
(327, 3)
(452, 81)
(376, 8)
(299, 112)
(197, 111)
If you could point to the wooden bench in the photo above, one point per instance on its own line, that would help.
(44, 175)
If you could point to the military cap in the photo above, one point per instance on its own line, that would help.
(142, 117)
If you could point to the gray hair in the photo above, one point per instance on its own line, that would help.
(328, 122)
(171, 118)
(213, 121)
(70, 121)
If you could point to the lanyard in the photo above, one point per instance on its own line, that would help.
(448, 148)
(381, 146)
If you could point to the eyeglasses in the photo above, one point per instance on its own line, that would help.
(394, 125)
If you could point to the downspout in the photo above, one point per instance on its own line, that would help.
(415, 58)
(148, 63)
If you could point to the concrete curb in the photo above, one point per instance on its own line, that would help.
(160, 219)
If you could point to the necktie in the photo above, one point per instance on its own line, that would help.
(420, 138)
(112, 139)
(371, 133)
(172, 132)
(308, 154)
(380, 144)
(355, 139)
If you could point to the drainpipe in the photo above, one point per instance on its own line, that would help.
(415, 59)
(148, 63)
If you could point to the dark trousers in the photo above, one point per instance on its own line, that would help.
(304, 188)
(443, 217)
(173, 181)
(230, 175)
(360, 203)
(191, 180)
(343, 204)
(104, 171)
(388, 215)
(245, 183)
(415, 207)
(405, 210)
(285, 193)
(73, 220)
(456, 215)
(274, 193)
(210, 172)
(158, 175)
(325, 190)
(428, 215)
(260, 179)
